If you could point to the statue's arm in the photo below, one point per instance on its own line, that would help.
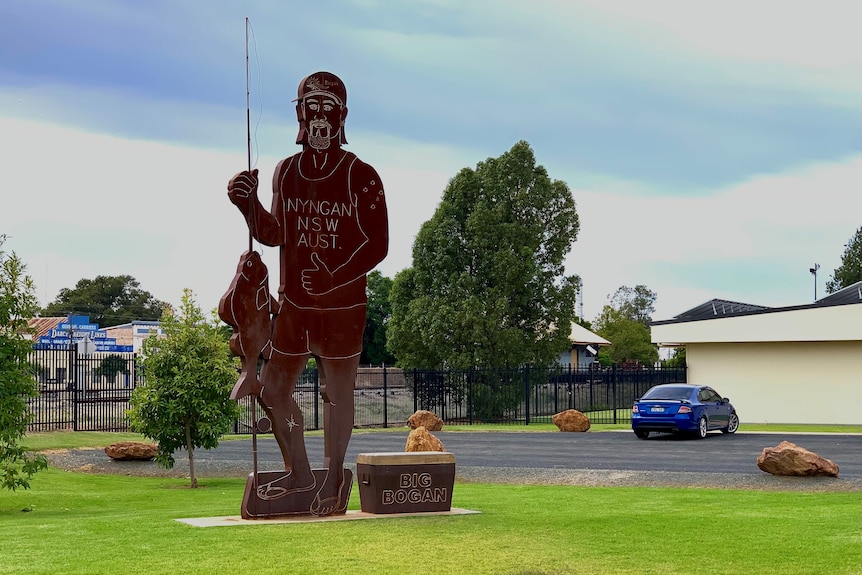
(372, 215)
(263, 225)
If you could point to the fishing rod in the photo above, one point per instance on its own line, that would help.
(255, 398)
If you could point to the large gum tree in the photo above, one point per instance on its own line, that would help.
(487, 287)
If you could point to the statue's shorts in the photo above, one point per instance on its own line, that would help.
(326, 333)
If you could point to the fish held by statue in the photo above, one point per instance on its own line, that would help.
(247, 307)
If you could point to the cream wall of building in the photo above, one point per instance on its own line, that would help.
(783, 382)
(834, 323)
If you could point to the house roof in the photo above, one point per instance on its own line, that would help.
(811, 323)
(583, 336)
(137, 322)
(717, 308)
(835, 317)
(850, 294)
(43, 325)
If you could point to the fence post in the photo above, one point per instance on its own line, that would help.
(385, 399)
(442, 389)
(527, 394)
(614, 392)
(556, 390)
(73, 381)
(415, 391)
(470, 395)
(316, 379)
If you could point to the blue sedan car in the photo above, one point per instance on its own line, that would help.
(683, 408)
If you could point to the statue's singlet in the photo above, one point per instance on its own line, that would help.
(319, 215)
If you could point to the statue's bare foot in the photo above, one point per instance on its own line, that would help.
(326, 506)
(328, 499)
(285, 485)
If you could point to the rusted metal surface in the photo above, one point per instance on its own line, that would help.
(415, 482)
(247, 307)
(264, 499)
(328, 218)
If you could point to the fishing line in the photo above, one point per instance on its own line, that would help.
(255, 156)
(253, 144)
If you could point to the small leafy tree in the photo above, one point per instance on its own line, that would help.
(850, 270)
(17, 377)
(189, 373)
(634, 303)
(625, 323)
(630, 338)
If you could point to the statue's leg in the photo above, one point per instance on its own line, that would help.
(279, 377)
(337, 383)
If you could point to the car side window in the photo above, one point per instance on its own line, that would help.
(710, 395)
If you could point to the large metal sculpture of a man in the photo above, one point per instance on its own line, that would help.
(329, 219)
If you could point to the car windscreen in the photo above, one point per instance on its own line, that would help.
(673, 393)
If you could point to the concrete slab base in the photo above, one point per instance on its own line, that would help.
(236, 520)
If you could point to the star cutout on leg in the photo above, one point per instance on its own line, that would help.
(291, 423)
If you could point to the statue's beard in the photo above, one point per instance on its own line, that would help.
(319, 134)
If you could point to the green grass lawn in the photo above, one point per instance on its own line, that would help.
(78, 523)
(90, 524)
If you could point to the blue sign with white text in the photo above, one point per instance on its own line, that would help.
(58, 338)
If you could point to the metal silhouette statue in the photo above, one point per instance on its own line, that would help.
(329, 220)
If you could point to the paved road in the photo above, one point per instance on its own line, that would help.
(601, 450)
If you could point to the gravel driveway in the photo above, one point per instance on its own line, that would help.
(586, 459)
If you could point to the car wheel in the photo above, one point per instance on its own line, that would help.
(641, 434)
(702, 427)
(732, 424)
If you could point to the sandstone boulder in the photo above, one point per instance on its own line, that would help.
(425, 419)
(420, 439)
(132, 450)
(787, 458)
(571, 420)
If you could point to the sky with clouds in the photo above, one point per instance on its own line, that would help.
(714, 149)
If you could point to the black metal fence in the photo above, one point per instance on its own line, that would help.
(383, 398)
(82, 392)
(91, 393)
(534, 394)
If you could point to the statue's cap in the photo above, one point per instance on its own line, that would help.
(322, 83)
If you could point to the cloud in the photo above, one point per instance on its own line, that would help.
(91, 204)
(712, 149)
(799, 34)
(751, 242)
(638, 91)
